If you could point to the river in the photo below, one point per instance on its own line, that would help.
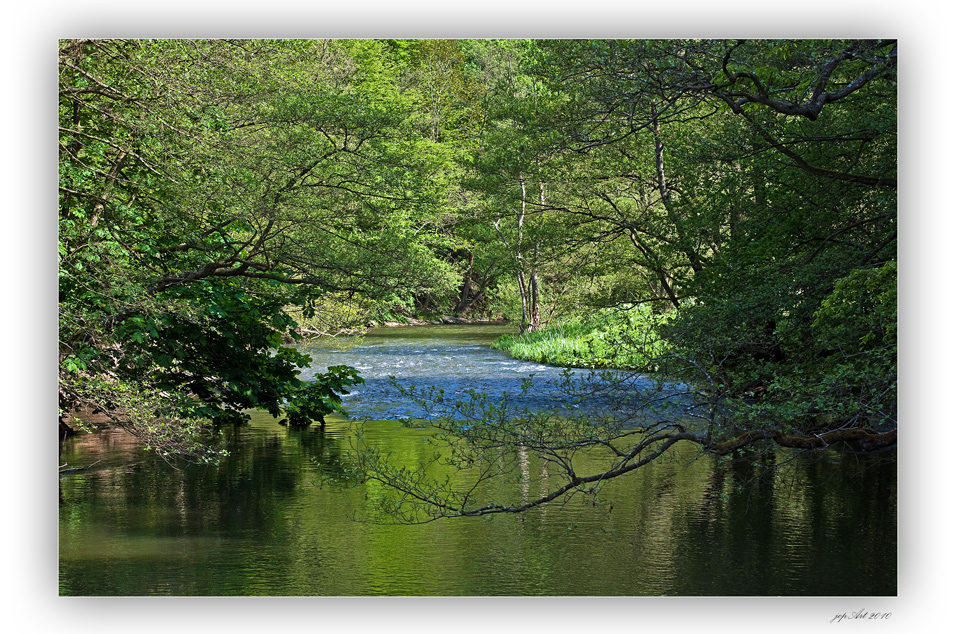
(268, 521)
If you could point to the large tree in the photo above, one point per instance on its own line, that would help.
(207, 186)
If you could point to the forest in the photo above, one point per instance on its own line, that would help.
(719, 213)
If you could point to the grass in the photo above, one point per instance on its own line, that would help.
(618, 338)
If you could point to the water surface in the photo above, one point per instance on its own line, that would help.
(457, 360)
(268, 521)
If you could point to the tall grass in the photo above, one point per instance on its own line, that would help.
(617, 338)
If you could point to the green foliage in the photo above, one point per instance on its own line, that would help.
(828, 362)
(223, 346)
(856, 330)
(860, 315)
(314, 400)
(190, 219)
(153, 417)
(620, 338)
(333, 313)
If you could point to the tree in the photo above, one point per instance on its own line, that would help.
(205, 187)
(513, 173)
(773, 177)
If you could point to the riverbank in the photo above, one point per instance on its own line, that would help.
(309, 332)
(610, 339)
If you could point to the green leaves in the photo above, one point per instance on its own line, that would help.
(314, 400)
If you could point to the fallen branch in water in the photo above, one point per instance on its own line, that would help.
(62, 470)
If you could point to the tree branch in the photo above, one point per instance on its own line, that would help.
(820, 96)
(875, 181)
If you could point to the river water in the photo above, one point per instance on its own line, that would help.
(268, 521)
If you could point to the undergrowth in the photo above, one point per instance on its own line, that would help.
(613, 338)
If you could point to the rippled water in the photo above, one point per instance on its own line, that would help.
(267, 522)
(455, 359)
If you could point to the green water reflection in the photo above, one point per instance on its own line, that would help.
(265, 522)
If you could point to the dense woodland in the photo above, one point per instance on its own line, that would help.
(722, 213)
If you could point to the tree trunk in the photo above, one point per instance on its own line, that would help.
(529, 288)
(664, 194)
(525, 321)
(108, 190)
(463, 298)
(534, 275)
(534, 320)
(473, 301)
(653, 265)
(660, 163)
